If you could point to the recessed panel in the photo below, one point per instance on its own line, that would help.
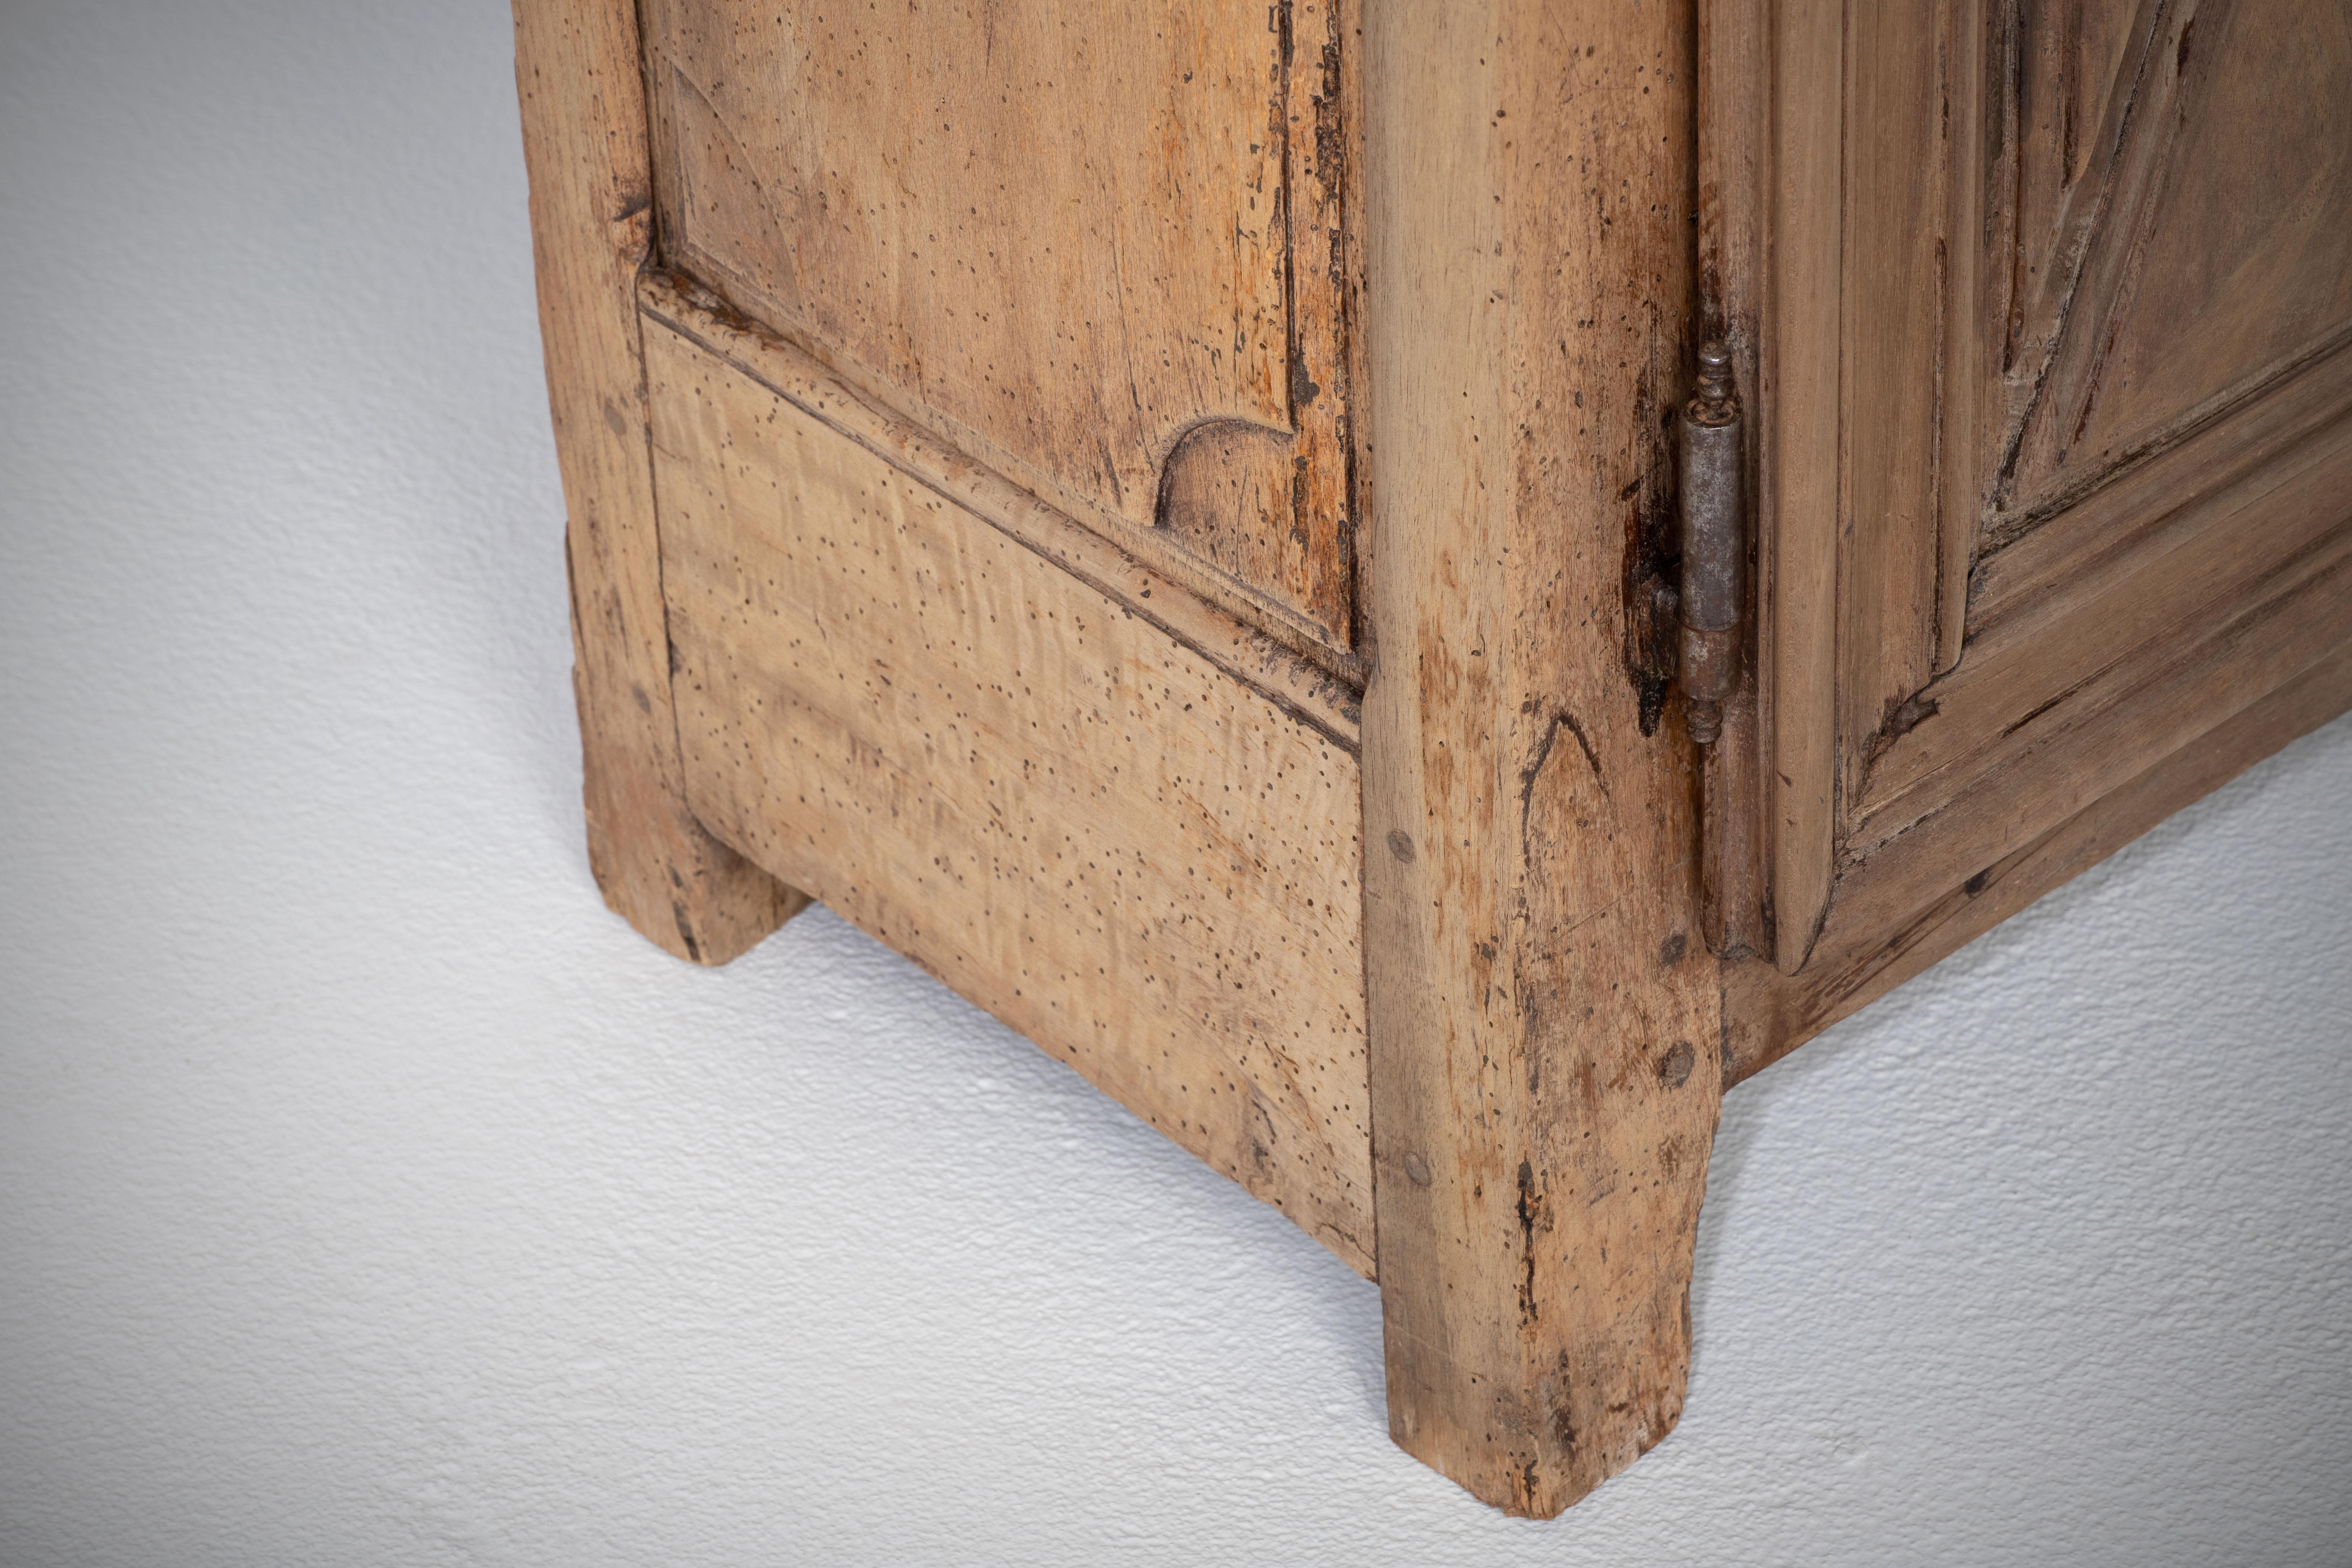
(1061, 236)
(2182, 226)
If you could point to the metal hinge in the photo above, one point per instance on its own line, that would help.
(1709, 602)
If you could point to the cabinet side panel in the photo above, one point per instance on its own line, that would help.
(1070, 817)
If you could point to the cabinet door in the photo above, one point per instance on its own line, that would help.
(2047, 308)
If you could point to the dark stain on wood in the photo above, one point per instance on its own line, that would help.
(1531, 1207)
(1902, 718)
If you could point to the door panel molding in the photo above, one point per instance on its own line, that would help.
(2220, 179)
(2055, 410)
(2178, 570)
(1802, 492)
(1767, 1013)
(1141, 587)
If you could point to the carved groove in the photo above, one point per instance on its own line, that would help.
(2136, 320)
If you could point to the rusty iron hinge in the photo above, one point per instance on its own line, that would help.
(1688, 627)
(1707, 601)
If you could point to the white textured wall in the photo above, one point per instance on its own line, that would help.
(369, 1195)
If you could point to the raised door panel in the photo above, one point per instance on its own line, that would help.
(1097, 248)
(2184, 246)
(2055, 365)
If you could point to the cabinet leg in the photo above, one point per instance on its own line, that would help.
(584, 143)
(1536, 1237)
(1546, 1021)
(657, 866)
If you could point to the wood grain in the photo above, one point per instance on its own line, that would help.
(2182, 566)
(2136, 711)
(1145, 506)
(1970, 352)
(1096, 246)
(1070, 816)
(1891, 342)
(2084, 367)
(1308, 692)
(1769, 1015)
(2150, 474)
(2149, 506)
(1544, 1084)
(2197, 251)
(584, 143)
(1802, 496)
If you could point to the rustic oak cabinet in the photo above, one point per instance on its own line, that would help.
(1213, 530)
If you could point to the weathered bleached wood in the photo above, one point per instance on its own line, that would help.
(2146, 506)
(2130, 423)
(1022, 374)
(1800, 424)
(1891, 342)
(2097, 638)
(2197, 248)
(1544, 1019)
(1273, 507)
(1971, 348)
(1766, 1014)
(584, 142)
(1092, 245)
(2143, 710)
(1066, 814)
(1273, 669)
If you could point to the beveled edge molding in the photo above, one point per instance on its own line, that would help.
(1769, 1015)
(1325, 700)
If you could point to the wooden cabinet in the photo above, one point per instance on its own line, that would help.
(1163, 516)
